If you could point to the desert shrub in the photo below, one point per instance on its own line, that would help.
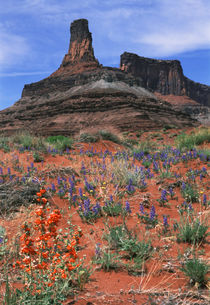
(192, 230)
(37, 157)
(26, 140)
(196, 270)
(14, 194)
(88, 138)
(107, 135)
(130, 142)
(123, 174)
(145, 146)
(60, 142)
(184, 141)
(120, 238)
(107, 260)
(189, 192)
(4, 144)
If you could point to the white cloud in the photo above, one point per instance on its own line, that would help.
(14, 74)
(13, 48)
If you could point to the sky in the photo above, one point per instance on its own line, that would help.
(35, 34)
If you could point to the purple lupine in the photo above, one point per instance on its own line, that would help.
(165, 221)
(127, 207)
(155, 166)
(97, 250)
(83, 170)
(1, 171)
(9, 171)
(201, 177)
(70, 191)
(204, 199)
(171, 192)
(32, 165)
(183, 186)
(130, 188)
(53, 187)
(59, 180)
(96, 208)
(86, 206)
(80, 192)
(1, 240)
(190, 207)
(163, 195)
(141, 208)
(152, 213)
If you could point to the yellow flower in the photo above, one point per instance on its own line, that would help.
(91, 191)
(103, 187)
(201, 192)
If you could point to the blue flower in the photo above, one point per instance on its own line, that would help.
(165, 221)
(127, 207)
(152, 213)
(163, 195)
(141, 208)
(204, 199)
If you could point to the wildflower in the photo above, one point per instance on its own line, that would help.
(44, 200)
(204, 199)
(152, 213)
(183, 186)
(165, 221)
(141, 208)
(127, 207)
(163, 196)
(171, 192)
(53, 187)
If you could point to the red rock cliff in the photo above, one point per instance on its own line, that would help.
(165, 77)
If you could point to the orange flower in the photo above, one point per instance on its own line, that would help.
(44, 200)
(39, 194)
(63, 275)
(42, 191)
(39, 212)
(73, 243)
(45, 254)
(26, 260)
(70, 267)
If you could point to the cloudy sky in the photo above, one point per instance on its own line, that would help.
(34, 36)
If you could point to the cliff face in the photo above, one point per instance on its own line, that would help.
(82, 95)
(165, 77)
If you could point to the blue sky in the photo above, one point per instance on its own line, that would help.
(34, 36)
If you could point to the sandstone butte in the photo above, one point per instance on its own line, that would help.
(83, 95)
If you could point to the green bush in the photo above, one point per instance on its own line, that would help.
(107, 135)
(60, 142)
(88, 138)
(120, 238)
(192, 230)
(187, 142)
(145, 146)
(123, 173)
(27, 140)
(196, 271)
(4, 144)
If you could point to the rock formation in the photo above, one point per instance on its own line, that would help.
(165, 77)
(82, 95)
